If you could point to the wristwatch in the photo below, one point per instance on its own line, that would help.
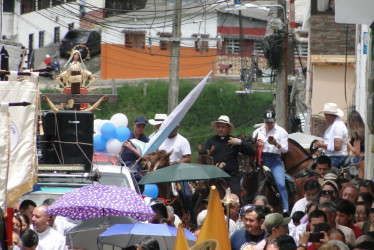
(302, 245)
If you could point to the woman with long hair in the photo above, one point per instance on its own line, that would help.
(356, 141)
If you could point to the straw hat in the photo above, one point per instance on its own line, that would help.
(223, 119)
(159, 118)
(332, 109)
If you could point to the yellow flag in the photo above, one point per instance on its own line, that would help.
(214, 226)
(181, 241)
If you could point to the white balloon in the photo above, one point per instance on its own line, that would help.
(97, 126)
(119, 120)
(113, 146)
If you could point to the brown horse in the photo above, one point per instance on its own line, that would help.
(157, 160)
(257, 180)
(203, 187)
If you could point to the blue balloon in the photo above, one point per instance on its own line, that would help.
(99, 143)
(122, 133)
(108, 130)
(150, 190)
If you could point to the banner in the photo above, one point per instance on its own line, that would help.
(22, 159)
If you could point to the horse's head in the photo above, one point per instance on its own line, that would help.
(205, 156)
(157, 159)
(250, 165)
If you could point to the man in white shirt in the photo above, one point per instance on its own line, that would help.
(335, 139)
(49, 239)
(274, 140)
(181, 154)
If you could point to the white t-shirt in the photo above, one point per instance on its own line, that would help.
(340, 132)
(179, 145)
(279, 134)
(50, 239)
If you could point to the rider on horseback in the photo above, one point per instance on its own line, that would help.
(335, 138)
(274, 140)
(227, 148)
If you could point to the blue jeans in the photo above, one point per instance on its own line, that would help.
(337, 160)
(274, 162)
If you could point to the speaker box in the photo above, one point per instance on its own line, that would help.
(68, 138)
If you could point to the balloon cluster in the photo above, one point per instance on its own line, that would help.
(110, 134)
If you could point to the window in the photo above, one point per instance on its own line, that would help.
(323, 7)
(56, 37)
(70, 26)
(9, 6)
(202, 42)
(258, 47)
(165, 45)
(134, 39)
(57, 2)
(43, 4)
(27, 6)
(301, 49)
(232, 46)
(41, 39)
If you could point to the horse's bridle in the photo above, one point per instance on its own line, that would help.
(208, 156)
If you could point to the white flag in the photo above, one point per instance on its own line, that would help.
(174, 118)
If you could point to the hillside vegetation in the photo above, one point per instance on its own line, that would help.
(217, 98)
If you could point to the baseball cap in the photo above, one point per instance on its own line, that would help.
(275, 220)
(244, 209)
(140, 120)
(269, 116)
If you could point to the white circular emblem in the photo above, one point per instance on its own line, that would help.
(14, 136)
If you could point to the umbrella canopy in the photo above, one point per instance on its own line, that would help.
(82, 235)
(184, 172)
(101, 200)
(124, 235)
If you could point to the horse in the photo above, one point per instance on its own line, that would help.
(203, 187)
(259, 180)
(157, 160)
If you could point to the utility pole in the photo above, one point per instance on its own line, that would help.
(281, 98)
(175, 56)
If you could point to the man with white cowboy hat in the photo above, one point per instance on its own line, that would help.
(159, 119)
(226, 150)
(335, 138)
(274, 140)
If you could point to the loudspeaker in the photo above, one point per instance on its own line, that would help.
(68, 138)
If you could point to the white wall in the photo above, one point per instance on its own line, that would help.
(46, 20)
(362, 50)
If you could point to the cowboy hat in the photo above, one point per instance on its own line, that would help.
(223, 119)
(332, 109)
(159, 118)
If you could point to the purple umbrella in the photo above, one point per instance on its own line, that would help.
(101, 200)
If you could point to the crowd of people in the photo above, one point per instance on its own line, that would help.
(334, 213)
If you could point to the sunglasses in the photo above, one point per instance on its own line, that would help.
(327, 192)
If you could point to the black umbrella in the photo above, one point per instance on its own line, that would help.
(85, 234)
